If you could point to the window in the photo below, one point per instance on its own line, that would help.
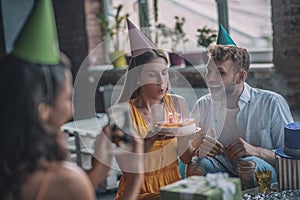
(249, 21)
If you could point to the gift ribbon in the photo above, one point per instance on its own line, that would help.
(220, 180)
(190, 186)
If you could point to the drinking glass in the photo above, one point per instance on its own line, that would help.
(246, 172)
(264, 179)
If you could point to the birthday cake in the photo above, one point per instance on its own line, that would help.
(289, 158)
(174, 126)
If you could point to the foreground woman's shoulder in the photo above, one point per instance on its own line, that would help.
(71, 182)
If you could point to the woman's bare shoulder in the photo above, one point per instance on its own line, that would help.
(65, 181)
(68, 167)
(74, 180)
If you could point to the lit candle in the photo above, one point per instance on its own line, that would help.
(171, 118)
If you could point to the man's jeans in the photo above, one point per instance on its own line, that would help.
(223, 164)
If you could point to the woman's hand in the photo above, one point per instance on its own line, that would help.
(132, 166)
(102, 157)
(184, 146)
(152, 136)
(102, 146)
(132, 161)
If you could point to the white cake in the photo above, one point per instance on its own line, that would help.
(186, 127)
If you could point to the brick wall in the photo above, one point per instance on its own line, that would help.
(70, 20)
(286, 34)
(93, 31)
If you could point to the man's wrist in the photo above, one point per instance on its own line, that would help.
(195, 151)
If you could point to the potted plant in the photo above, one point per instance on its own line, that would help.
(206, 36)
(112, 33)
(176, 36)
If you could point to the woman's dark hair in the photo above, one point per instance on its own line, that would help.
(24, 140)
(131, 89)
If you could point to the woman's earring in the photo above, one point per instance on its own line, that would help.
(44, 112)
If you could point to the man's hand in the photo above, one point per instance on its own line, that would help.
(240, 148)
(210, 146)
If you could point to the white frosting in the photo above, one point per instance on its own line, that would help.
(180, 130)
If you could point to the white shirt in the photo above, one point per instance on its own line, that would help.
(229, 132)
(260, 121)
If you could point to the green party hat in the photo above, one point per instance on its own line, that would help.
(224, 38)
(37, 42)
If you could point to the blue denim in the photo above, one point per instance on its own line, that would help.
(213, 165)
(262, 165)
(181, 167)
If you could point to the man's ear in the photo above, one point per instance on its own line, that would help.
(44, 112)
(242, 75)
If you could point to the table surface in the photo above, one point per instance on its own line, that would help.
(87, 127)
(274, 194)
(274, 187)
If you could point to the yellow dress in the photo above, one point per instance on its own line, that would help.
(161, 163)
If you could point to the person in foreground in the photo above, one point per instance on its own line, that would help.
(33, 155)
(254, 121)
(37, 86)
(145, 88)
(32, 152)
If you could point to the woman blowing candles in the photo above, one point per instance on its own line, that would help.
(146, 88)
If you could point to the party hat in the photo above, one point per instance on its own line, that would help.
(37, 42)
(14, 15)
(224, 38)
(139, 43)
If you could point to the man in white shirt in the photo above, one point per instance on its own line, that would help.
(249, 122)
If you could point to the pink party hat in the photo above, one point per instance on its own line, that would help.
(139, 43)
